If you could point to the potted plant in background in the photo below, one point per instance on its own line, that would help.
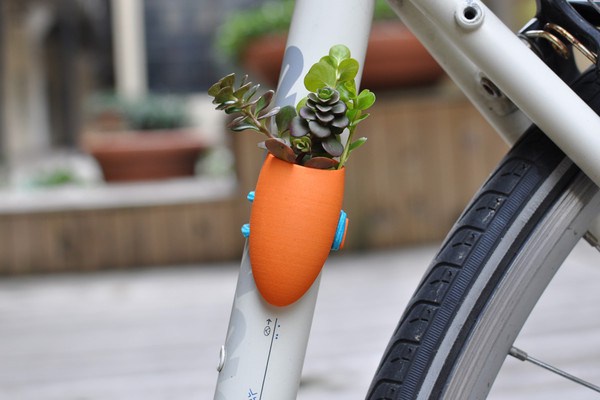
(256, 38)
(296, 212)
(145, 139)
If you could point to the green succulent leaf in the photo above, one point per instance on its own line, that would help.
(347, 91)
(365, 100)
(264, 101)
(228, 80)
(232, 110)
(225, 96)
(242, 90)
(302, 144)
(329, 60)
(243, 126)
(283, 119)
(251, 92)
(214, 89)
(222, 107)
(325, 93)
(268, 113)
(352, 114)
(236, 121)
(357, 143)
(320, 75)
(348, 70)
(242, 123)
(360, 118)
(339, 53)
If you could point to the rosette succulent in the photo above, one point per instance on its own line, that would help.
(322, 118)
(310, 133)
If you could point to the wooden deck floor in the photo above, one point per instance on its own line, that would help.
(155, 333)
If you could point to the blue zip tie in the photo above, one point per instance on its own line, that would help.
(339, 233)
(250, 196)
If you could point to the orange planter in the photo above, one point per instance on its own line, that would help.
(293, 224)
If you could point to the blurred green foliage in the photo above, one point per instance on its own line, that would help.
(56, 177)
(151, 112)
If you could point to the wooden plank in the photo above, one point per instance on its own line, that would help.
(7, 254)
(21, 246)
(50, 252)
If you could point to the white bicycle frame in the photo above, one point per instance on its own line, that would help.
(265, 346)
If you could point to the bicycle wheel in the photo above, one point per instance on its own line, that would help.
(494, 265)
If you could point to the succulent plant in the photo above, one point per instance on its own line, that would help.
(252, 113)
(323, 118)
(310, 133)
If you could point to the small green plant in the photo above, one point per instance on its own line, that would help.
(56, 177)
(309, 134)
(156, 112)
(151, 112)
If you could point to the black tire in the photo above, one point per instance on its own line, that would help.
(492, 268)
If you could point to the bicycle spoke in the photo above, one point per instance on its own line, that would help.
(523, 356)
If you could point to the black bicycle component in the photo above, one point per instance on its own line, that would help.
(579, 19)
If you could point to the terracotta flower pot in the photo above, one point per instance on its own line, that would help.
(136, 156)
(293, 223)
(395, 58)
(263, 55)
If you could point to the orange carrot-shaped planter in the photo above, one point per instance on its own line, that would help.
(293, 223)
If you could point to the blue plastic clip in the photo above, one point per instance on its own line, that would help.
(246, 227)
(340, 231)
(246, 230)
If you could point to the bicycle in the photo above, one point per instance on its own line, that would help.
(462, 321)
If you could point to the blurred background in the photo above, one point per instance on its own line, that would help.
(111, 154)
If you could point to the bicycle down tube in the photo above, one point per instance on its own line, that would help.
(265, 346)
